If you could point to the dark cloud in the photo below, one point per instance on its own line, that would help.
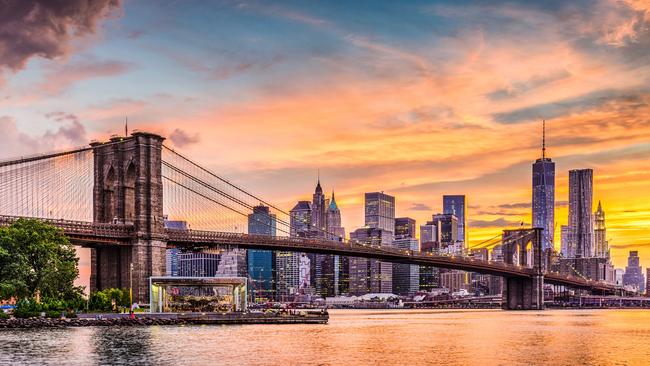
(570, 105)
(528, 85)
(181, 138)
(500, 213)
(45, 27)
(515, 205)
(62, 116)
(420, 207)
(500, 223)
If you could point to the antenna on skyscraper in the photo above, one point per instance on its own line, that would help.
(543, 139)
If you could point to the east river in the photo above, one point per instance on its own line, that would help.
(356, 337)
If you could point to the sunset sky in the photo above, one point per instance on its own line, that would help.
(417, 99)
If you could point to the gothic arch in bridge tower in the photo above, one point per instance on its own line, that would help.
(110, 189)
(129, 193)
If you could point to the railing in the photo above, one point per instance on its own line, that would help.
(83, 228)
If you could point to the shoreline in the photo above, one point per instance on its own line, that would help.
(105, 320)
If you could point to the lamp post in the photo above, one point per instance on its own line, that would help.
(131, 289)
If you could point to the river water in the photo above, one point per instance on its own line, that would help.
(356, 337)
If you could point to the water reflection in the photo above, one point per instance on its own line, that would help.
(419, 337)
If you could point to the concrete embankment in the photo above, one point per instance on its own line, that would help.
(93, 320)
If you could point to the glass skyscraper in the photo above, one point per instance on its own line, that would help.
(544, 200)
(457, 205)
(261, 263)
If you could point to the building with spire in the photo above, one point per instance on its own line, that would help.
(337, 232)
(543, 204)
(600, 241)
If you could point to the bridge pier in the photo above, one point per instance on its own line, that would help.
(128, 190)
(524, 293)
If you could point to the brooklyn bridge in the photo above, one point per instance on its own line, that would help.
(112, 197)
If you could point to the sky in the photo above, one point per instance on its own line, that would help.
(416, 99)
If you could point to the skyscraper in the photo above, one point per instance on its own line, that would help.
(600, 240)
(287, 264)
(581, 228)
(337, 232)
(633, 275)
(457, 205)
(322, 265)
(368, 275)
(380, 211)
(404, 228)
(544, 196)
(261, 263)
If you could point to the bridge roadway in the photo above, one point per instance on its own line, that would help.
(88, 234)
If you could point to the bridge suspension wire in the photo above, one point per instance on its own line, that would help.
(55, 186)
(205, 200)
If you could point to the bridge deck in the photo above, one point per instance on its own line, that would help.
(96, 234)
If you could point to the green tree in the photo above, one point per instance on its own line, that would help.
(37, 258)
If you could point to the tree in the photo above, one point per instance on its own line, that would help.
(37, 258)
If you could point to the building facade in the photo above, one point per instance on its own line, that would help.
(581, 228)
(261, 263)
(367, 275)
(543, 204)
(404, 228)
(601, 246)
(457, 205)
(406, 277)
(380, 211)
(633, 275)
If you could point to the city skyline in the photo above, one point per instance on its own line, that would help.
(460, 120)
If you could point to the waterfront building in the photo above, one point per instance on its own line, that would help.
(261, 263)
(323, 266)
(198, 264)
(457, 205)
(406, 277)
(454, 281)
(404, 228)
(171, 262)
(232, 263)
(543, 204)
(581, 228)
(600, 231)
(633, 275)
(287, 264)
(368, 275)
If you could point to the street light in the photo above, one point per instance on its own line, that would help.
(131, 287)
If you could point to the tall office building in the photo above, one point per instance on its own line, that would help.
(581, 228)
(380, 211)
(429, 276)
(457, 205)
(404, 228)
(337, 232)
(544, 196)
(600, 232)
(261, 263)
(367, 275)
(323, 266)
(633, 275)
(406, 277)
(287, 264)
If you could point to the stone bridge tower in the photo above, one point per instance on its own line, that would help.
(128, 190)
(524, 248)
